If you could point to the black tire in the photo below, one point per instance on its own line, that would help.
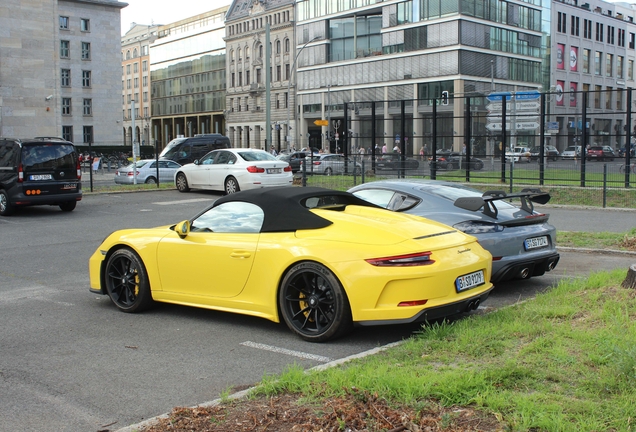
(151, 180)
(328, 171)
(450, 167)
(357, 171)
(6, 209)
(621, 169)
(478, 166)
(181, 181)
(68, 206)
(231, 186)
(313, 304)
(126, 281)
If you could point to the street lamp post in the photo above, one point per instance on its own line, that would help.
(288, 136)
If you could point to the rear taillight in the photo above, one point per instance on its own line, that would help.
(20, 174)
(287, 168)
(416, 259)
(78, 167)
(255, 170)
(132, 173)
(317, 163)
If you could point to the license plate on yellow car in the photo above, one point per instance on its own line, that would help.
(469, 281)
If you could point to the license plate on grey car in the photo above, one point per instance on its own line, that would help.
(536, 242)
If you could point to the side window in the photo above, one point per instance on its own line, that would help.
(230, 217)
(379, 197)
(223, 158)
(7, 154)
(200, 149)
(208, 159)
(172, 164)
(185, 150)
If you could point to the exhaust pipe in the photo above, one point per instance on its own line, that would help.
(550, 265)
(524, 273)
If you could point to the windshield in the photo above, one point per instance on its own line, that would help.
(251, 156)
(49, 156)
(171, 148)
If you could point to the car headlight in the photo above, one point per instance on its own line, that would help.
(478, 227)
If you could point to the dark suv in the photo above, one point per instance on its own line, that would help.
(187, 150)
(39, 171)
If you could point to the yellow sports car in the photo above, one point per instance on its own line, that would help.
(318, 259)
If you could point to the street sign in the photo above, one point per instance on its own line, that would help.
(321, 122)
(494, 97)
(496, 126)
(519, 106)
(526, 125)
(527, 95)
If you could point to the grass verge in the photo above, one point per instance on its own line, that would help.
(598, 240)
(565, 361)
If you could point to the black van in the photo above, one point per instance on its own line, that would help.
(187, 150)
(39, 171)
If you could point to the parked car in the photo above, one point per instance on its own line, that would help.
(600, 153)
(39, 171)
(632, 151)
(232, 170)
(454, 160)
(147, 171)
(571, 152)
(518, 154)
(521, 241)
(331, 163)
(392, 161)
(294, 159)
(187, 150)
(549, 151)
(317, 259)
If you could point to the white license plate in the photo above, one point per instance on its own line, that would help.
(274, 170)
(469, 281)
(536, 242)
(40, 177)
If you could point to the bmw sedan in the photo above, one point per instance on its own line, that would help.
(521, 241)
(316, 259)
(233, 170)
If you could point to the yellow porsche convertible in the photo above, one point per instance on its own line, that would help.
(320, 260)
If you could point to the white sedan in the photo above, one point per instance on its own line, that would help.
(232, 170)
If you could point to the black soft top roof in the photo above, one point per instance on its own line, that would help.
(288, 208)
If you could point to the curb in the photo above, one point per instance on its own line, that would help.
(596, 251)
(243, 393)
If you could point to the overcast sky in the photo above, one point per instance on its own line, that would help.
(164, 11)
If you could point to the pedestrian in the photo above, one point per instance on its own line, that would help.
(273, 151)
(396, 149)
(384, 149)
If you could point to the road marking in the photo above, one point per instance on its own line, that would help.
(303, 355)
(184, 201)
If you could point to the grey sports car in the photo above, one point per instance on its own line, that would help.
(521, 241)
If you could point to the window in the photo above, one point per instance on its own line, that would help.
(63, 23)
(619, 67)
(144, 81)
(597, 96)
(135, 53)
(621, 37)
(136, 82)
(586, 61)
(67, 133)
(630, 69)
(144, 50)
(232, 81)
(86, 51)
(65, 51)
(88, 107)
(258, 76)
(632, 40)
(277, 47)
(66, 106)
(85, 24)
(574, 26)
(136, 68)
(619, 100)
(145, 96)
(597, 62)
(247, 77)
(127, 69)
(608, 98)
(240, 79)
(66, 77)
(609, 63)
(278, 77)
(128, 83)
(287, 72)
(144, 66)
(610, 35)
(86, 78)
(287, 102)
(88, 134)
(599, 32)
(286, 45)
(587, 29)
(561, 22)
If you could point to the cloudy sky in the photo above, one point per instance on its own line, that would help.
(164, 11)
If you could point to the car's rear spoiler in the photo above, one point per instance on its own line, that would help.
(527, 197)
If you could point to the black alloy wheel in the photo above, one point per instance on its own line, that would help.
(127, 281)
(6, 208)
(313, 303)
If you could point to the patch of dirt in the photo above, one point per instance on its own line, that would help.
(628, 243)
(355, 412)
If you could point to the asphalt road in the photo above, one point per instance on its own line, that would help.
(69, 361)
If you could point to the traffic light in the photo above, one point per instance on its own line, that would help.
(445, 97)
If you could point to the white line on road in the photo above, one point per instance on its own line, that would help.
(303, 355)
(184, 201)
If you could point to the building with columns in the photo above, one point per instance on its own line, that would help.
(135, 80)
(246, 104)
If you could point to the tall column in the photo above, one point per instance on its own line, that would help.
(389, 138)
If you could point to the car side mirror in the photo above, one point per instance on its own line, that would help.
(182, 228)
(196, 162)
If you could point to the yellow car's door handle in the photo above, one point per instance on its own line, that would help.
(241, 254)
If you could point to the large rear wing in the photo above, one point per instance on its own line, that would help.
(487, 201)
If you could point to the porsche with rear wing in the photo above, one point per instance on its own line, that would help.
(521, 241)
